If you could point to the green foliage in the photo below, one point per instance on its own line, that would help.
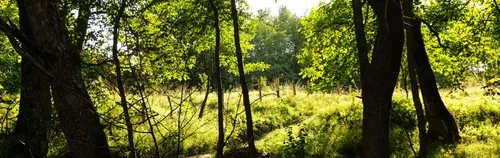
(492, 87)
(295, 146)
(470, 49)
(329, 55)
(277, 42)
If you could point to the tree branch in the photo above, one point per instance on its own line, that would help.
(11, 34)
(434, 32)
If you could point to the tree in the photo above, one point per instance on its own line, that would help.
(33, 120)
(441, 122)
(244, 88)
(328, 58)
(218, 82)
(277, 42)
(121, 89)
(410, 44)
(381, 78)
(78, 117)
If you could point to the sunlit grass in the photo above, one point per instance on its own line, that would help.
(332, 123)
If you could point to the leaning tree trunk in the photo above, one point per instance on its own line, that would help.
(243, 82)
(33, 120)
(361, 43)
(220, 93)
(381, 78)
(77, 115)
(441, 122)
(410, 45)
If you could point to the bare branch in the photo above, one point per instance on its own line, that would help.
(434, 32)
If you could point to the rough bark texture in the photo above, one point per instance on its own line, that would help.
(220, 93)
(410, 45)
(441, 122)
(119, 82)
(33, 120)
(381, 78)
(78, 116)
(243, 82)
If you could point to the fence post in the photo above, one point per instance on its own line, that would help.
(259, 86)
(278, 86)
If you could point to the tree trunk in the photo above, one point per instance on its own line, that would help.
(410, 45)
(220, 93)
(121, 89)
(422, 131)
(77, 115)
(33, 120)
(381, 78)
(361, 45)
(243, 82)
(441, 122)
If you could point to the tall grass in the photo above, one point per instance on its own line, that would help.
(331, 124)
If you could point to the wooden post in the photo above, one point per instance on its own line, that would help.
(293, 87)
(259, 86)
(278, 86)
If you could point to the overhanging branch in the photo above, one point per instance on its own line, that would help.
(13, 34)
(434, 32)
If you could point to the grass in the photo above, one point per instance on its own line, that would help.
(331, 123)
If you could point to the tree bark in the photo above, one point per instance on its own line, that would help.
(381, 78)
(243, 82)
(361, 45)
(220, 93)
(121, 89)
(33, 120)
(410, 45)
(422, 131)
(441, 122)
(77, 115)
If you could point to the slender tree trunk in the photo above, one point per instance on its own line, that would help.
(422, 131)
(220, 93)
(410, 45)
(78, 117)
(361, 45)
(143, 103)
(243, 82)
(381, 78)
(121, 89)
(441, 122)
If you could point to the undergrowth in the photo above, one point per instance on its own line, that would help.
(302, 125)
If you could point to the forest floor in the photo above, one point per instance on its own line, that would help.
(316, 125)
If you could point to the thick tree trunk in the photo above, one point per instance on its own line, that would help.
(243, 82)
(381, 78)
(77, 115)
(119, 82)
(33, 120)
(441, 122)
(410, 45)
(220, 93)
